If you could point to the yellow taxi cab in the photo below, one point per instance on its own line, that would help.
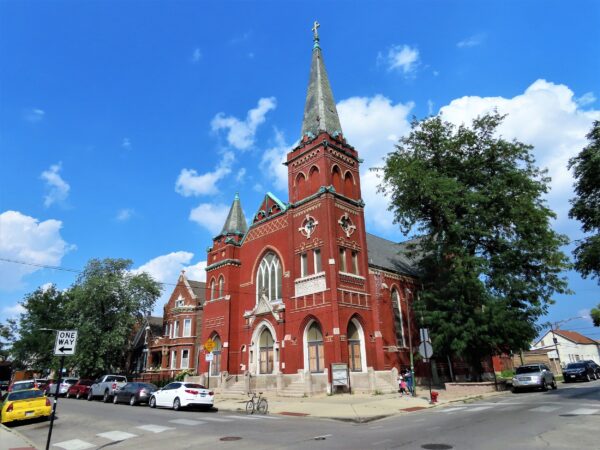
(23, 405)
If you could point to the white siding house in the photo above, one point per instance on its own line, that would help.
(572, 346)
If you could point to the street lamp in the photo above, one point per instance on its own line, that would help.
(554, 326)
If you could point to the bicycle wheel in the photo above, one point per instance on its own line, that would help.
(263, 406)
(250, 407)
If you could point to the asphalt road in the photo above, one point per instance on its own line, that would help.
(568, 418)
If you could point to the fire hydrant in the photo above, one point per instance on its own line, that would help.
(434, 396)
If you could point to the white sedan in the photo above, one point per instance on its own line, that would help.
(179, 395)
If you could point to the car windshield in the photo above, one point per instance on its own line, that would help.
(70, 381)
(21, 386)
(194, 385)
(148, 386)
(86, 382)
(528, 369)
(121, 379)
(576, 366)
(25, 395)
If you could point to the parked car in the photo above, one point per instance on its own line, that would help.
(533, 376)
(179, 395)
(595, 367)
(79, 389)
(105, 387)
(65, 384)
(22, 385)
(578, 371)
(42, 383)
(25, 404)
(134, 393)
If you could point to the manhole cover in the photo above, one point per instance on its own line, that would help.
(436, 446)
(230, 438)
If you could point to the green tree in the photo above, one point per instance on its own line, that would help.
(44, 308)
(586, 209)
(7, 337)
(489, 260)
(107, 300)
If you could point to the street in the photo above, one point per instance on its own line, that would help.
(568, 418)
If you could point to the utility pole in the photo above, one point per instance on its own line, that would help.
(410, 348)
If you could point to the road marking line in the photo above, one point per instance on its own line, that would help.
(215, 419)
(187, 422)
(454, 409)
(74, 444)
(154, 428)
(545, 408)
(478, 408)
(584, 411)
(267, 417)
(116, 435)
(376, 427)
(244, 417)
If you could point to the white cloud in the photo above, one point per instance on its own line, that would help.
(189, 183)
(241, 175)
(402, 58)
(13, 311)
(44, 287)
(240, 133)
(124, 214)
(210, 216)
(24, 238)
(57, 188)
(471, 41)
(126, 143)
(272, 162)
(586, 99)
(196, 55)
(546, 116)
(34, 114)
(373, 125)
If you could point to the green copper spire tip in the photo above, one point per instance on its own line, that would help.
(237, 196)
(315, 30)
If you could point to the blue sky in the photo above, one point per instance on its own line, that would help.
(127, 127)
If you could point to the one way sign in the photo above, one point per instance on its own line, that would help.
(65, 342)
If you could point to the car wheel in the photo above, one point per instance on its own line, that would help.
(152, 402)
(90, 396)
(514, 390)
(544, 386)
(78, 395)
(67, 395)
(587, 377)
(554, 385)
(115, 401)
(132, 401)
(105, 397)
(176, 404)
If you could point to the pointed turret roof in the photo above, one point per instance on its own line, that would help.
(320, 113)
(236, 222)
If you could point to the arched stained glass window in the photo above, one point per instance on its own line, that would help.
(269, 278)
(354, 356)
(221, 286)
(398, 323)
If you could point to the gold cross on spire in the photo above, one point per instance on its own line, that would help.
(315, 30)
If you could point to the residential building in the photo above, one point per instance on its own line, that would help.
(571, 345)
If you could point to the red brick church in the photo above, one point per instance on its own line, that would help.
(303, 285)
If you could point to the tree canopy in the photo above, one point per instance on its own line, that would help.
(103, 304)
(489, 259)
(585, 207)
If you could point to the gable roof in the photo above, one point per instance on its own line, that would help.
(576, 337)
(392, 256)
(199, 290)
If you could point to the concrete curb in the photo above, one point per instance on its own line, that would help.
(17, 436)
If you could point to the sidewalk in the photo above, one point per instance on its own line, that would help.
(349, 407)
(13, 440)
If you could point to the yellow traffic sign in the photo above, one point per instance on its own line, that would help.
(209, 345)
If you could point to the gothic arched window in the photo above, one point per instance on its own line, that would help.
(221, 285)
(215, 365)
(398, 318)
(269, 278)
(212, 289)
(354, 355)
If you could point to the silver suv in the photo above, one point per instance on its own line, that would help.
(533, 376)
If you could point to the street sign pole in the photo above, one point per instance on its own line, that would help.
(424, 338)
(209, 371)
(62, 363)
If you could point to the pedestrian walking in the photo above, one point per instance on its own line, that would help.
(403, 388)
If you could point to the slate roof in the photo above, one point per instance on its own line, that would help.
(575, 337)
(236, 222)
(320, 113)
(199, 289)
(392, 256)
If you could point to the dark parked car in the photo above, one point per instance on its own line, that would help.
(595, 367)
(578, 371)
(134, 393)
(80, 389)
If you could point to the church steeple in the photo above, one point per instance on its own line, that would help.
(236, 222)
(320, 113)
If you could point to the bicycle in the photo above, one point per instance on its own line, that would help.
(257, 403)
